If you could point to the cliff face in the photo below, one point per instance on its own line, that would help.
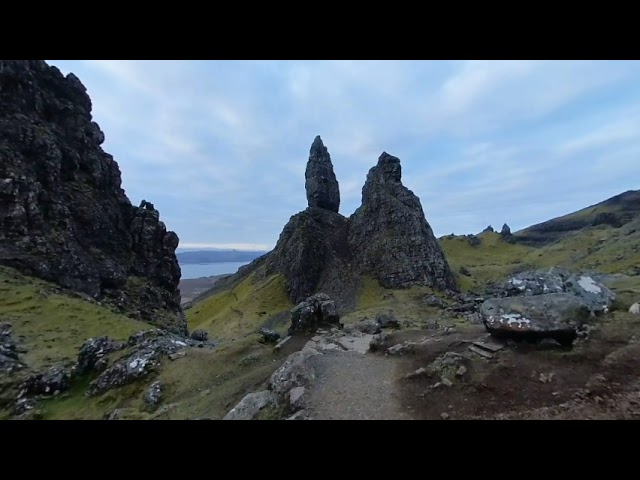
(387, 238)
(63, 214)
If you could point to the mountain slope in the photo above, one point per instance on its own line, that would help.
(614, 212)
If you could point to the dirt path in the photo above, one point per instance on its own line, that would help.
(353, 386)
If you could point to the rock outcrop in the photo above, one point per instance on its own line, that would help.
(64, 216)
(315, 311)
(320, 181)
(387, 238)
(539, 304)
(489, 229)
(505, 233)
(390, 236)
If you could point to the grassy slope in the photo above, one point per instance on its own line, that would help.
(487, 262)
(53, 326)
(242, 309)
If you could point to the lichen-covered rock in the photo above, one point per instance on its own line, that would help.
(93, 354)
(553, 315)
(315, 311)
(390, 236)
(365, 326)
(250, 406)
(559, 280)
(635, 309)
(152, 394)
(320, 180)
(149, 347)
(54, 380)
(65, 217)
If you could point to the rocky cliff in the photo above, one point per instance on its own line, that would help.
(390, 236)
(63, 214)
(387, 238)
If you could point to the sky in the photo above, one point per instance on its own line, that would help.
(220, 147)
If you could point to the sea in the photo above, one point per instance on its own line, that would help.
(198, 270)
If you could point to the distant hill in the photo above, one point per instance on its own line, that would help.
(217, 256)
(614, 212)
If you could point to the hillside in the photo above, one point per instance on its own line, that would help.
(613, 212)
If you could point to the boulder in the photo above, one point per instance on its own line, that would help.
(315, 311)
(54, 380)
(93, 352)
(386, 320)
(9, 359)
(635, 309)
(559, 280)
(250, 406)
(554, 315)
(433, 301)
(269, 336)
(297, 371)
(200, 335)
(148, 347)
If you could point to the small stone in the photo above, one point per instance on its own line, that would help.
(200, 335)
(177, 355)
(445, 381)
(461, 371)
(444, 415)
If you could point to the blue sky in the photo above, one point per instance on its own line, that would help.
(220, 147)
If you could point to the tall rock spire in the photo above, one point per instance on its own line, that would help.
(320, 181)
(390, 236)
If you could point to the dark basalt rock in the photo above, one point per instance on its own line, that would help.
(489, 229)
(63, 214)
(93, 354)
(505, 233)
(54, 380)
(473, 240)
(320, 180)
(390, 236)
(200, 335)
(269, 336)
(311, 246)
(315, 311)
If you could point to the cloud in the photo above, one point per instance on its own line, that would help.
(220, 147)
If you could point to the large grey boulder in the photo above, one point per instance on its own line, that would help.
(553, 315)
(559, 280)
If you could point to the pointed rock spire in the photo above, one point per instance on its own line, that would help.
(320, 180)
(390, 236)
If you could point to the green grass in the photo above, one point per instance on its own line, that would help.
(53, 326)
(492, 260)
(242, 309)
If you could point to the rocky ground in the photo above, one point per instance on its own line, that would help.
(385, 368)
